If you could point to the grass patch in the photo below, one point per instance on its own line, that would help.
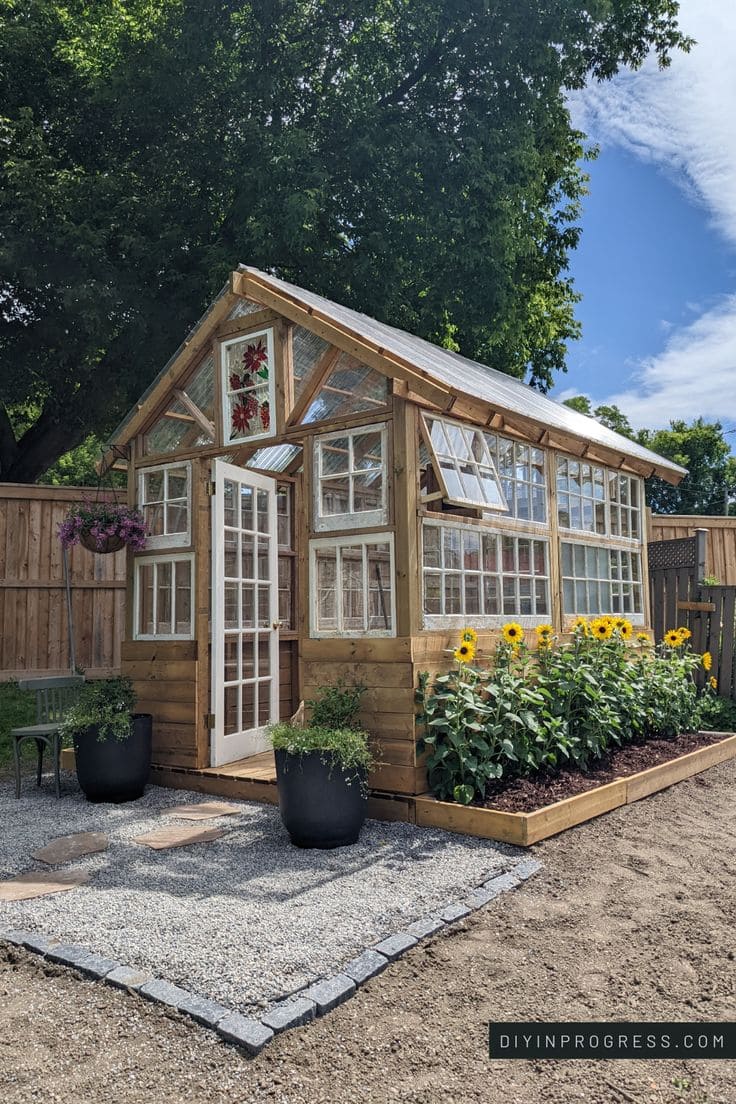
(17, 707)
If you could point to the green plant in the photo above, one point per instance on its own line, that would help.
(345, 748)
(337, 706)
(716, 714)
(710, 581)
(17, 708)
(105, 703)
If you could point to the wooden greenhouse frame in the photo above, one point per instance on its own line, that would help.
(387, 491)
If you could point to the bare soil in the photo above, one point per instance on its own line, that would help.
(631, 919)
(525, 795)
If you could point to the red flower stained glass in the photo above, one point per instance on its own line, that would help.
(241, 419)
(254, 356)
(265, 415)
(235, 382)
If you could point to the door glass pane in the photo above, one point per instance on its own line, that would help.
(248, 719)
(246, 509)
(264, 566)
(228, 494)
(380, 613)
(264, 658)
(247, 563)
(248, 649)
(264, 606)
(248, 605)
(146, 600)
(231, 673)
(231, 554)
(264, 704)
(232, 720)
(262, 504)
(231, 605)
(351, 580)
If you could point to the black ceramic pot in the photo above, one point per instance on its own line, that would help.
(114, 770)
(319, 805)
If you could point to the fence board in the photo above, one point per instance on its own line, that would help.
(720, 539)
(33, 616)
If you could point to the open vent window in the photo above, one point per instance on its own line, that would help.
(463, 464)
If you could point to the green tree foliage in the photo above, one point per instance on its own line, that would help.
(413, 158)
(699, 446)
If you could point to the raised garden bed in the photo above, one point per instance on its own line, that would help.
(623, 788)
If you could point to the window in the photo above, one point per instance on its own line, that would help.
(350, 388)
(599, 580)
(470, 573)
(597, 500)
(352, 586)
(164, 498)
(350, 478)
(163, 597)
(521, 469)
(464, 464)
(177, 428)
(248, 386)
(623, 493)
(286, 557)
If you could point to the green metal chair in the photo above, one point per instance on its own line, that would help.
(54, 696)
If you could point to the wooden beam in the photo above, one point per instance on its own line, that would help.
(246, 323)
(200, 418)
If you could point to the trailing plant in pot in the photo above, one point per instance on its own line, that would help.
(103, 526)
(112, 743)
(322, 771)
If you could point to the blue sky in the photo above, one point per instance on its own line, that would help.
(657, 261)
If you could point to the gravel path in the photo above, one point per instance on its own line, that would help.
(245, 919)
(631, 918)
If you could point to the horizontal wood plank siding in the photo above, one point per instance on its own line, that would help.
(34, 638)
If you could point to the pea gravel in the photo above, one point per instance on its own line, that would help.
(246, 919)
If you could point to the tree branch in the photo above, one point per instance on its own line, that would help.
(8, 443)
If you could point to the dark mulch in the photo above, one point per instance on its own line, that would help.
(524, 795)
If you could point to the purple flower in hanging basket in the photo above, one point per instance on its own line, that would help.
(103, 527)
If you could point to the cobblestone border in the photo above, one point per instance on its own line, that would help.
(251, 1034)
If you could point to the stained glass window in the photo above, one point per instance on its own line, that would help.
(248, 391)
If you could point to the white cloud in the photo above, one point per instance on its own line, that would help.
(695, 374)
(684, 120)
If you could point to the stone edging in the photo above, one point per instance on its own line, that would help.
(253, 1033)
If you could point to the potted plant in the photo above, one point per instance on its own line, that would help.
(112, 743)
(103, 527)
(322, 771)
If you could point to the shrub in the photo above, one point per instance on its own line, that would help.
(562, 704)
(344, 747)
(107, 703)
(337, 706)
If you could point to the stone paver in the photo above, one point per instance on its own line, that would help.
(395, 945)
(39, 883)
(420, 929)
(455, 911)
(161, 839)
(164, 991)
(67, 848)
(206, 810)
(365, 966)
(290, 1013)
(331, 992)
(202, 1009)
(249, 1034)
(126, 977)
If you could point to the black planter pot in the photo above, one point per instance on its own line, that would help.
(319, 806)
(114, 770)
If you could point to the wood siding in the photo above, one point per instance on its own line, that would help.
(33, 617)
(720, 546)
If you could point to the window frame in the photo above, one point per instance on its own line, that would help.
(617, 546)
(571, 532)
(167, 540)
(139, 564)
(325, 523)
(225, 392)
(349, 540)
(438, 621)
(501, 509)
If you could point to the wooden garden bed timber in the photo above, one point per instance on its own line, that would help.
(525, 829)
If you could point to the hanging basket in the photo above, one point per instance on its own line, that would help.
(110, 544)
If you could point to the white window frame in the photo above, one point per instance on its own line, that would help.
(140, 563)
(488, 620)
(168, 540)
(225, 392)
(570, 532)
(631, 549)
(349, 520)
(488, 465)
(349, 541)
(616, 506)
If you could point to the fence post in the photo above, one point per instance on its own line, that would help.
(701, 537)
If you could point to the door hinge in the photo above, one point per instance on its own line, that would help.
(209, 720)
(211, 488)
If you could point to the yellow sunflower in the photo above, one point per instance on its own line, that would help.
(601, 628)
(512, 633)
(672, 638)
(544, 631)
(469, 636)
(707, 660)
(581, 625)
(464, 653)
(712, 683)
(643, 638)
(685, 634)
(623, 627)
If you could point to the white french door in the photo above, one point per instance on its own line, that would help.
(245, 646)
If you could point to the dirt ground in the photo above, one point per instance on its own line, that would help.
(633, 918)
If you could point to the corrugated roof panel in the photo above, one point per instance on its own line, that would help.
(476, 380)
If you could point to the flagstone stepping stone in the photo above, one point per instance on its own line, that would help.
(39, 883)
(178, 836)
(206, 810)
(66, 848)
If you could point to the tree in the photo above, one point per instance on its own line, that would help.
(700, 447)
(413, 158)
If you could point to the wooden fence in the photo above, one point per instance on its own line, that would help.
(34, 634)
(676, 568)
(720, 545)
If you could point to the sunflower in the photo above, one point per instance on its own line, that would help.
(643, 638)
(707, 660)
(712, 683)
(601, 628)
(625, 628)
(685, 634)
(512, 633)
(672, 638)
(581, 625)
(465, 652)
(469, 636)
(544, 631)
